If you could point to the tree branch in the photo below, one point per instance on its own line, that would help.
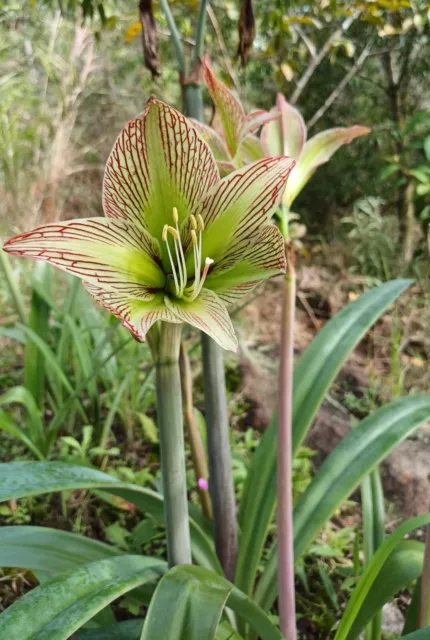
(308, 43)
(226, 57)
(319, 57)
(341, 86)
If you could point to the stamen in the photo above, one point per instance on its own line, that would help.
(173, 232)
(179, 268)
(200, 222)
(208, 262)
(181, 257)
(164, 237)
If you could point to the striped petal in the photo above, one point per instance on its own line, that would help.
(317, 151)
(213, 139)
(225, 168)
(240, 204)
(263, 259)
(207, 313)
(256, 119)
(250, 150)
(137, 315)
(111, 253)
(229, 108)
(158, 162)
(287, 134)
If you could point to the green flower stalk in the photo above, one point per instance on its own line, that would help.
(177, 244)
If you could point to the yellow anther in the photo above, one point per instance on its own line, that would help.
(164, 234)
(193, 222)
(193, 237)
(200, 222)
(173, 232)
(175, 215)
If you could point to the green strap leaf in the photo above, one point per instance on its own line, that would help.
(50, 550)
(65, 603)
(313, 377)
(402, 567)
(38, 325)
(19, 479)
(132, 629)
(128, 630)
(10, 427)
(371, 573)
(181, 596)
(342, 472)
(421, 634)
(21, 395)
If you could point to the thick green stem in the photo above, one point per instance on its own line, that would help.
(200, 31)
(175, 34)
(220, 469)
(170, 425)
(193, 101)
(286, 593)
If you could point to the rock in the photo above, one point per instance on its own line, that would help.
(405, 477)
(404, 472)
(392, 619)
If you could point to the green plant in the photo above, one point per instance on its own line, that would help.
(373, 239)
(98, 573)
(353, 459)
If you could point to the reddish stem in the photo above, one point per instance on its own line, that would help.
(286, 595)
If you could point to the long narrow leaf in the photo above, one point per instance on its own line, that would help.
(181, 597)
(13, 285)
(189, 601)
(19, 479)
(421, 634)
(49, 550)
(402, 567)
(128, 630)
(65, 603)
(372, 571)
(342, 472)
(38, 325)
(10, 427)
(21, 395)
(313, 377)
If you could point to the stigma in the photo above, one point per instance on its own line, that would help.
(177, 257)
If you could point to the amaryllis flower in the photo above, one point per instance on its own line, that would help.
(178, 243)
(286, 135)
(232, 144)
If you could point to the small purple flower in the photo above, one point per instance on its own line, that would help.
(202, 483)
